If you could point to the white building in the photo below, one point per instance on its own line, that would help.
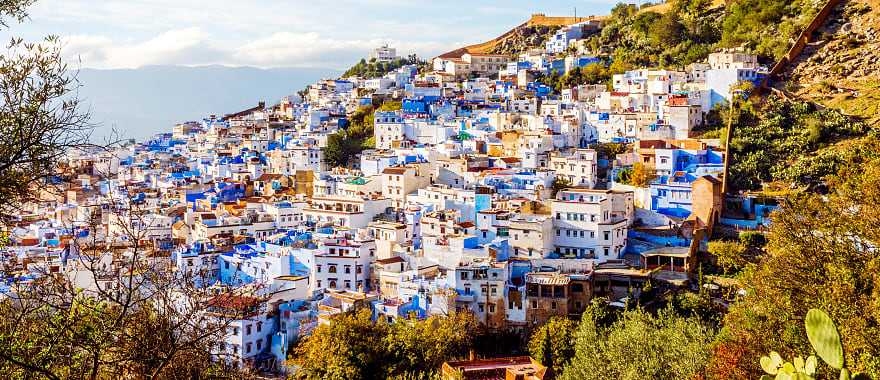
(578, 166)
(384, 53)
(591, 223)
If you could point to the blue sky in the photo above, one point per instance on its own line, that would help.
(272, 33)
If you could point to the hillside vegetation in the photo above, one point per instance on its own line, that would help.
(681, 32)
(841, 69)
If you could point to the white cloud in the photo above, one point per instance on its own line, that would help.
(193, 46)
(171, 47)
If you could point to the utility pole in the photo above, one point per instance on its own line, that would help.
(727, 137)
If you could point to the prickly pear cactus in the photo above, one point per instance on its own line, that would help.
(824, 338)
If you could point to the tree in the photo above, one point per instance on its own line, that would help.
(346, 348)
(641, 175)
(639, 346)
(345, 144)
(40, 118)
(560, 183)
(105, 313)
(729, 255)
(352, 346)
(553, 343)
(108, 313)
(667, 30)
(821, 253)
(417, 347)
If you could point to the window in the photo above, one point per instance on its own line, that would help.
(553, 305)
(605, 233)
(491, 308)
(259, 344)
(332, 269)
(534, 304)
(247, 330)
(360, 269)
(347, 269)
(259, 327)
(248, 350)
(318, 283)
(318, 268)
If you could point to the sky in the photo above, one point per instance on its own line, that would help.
(107, 34)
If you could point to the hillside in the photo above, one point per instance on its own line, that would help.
(537, 25)
(841, 69)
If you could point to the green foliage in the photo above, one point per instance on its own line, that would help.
(825, 339)
(640, 175)
(346, 144)
(691, 29)
(729, 255)
(799, 369)
(553, 343)
(752, 239)
(375, 69)
(697, 305)
(390, 106)
(352, 346)
(417, 347)
(639, 346)
(817, 254)
(560, 183)
(766, 26)
(594, 73)
(683, 35)
(344, 349)
(768, 147)
(610, 150)
(94, 339)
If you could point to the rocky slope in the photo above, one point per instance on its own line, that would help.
(842, 68)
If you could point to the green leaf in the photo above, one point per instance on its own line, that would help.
(810, 365)
(771, 364)
(861, 376)
(844, 374)
(799, 364)
(824, 338)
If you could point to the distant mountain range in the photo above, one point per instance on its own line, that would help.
(141, 102)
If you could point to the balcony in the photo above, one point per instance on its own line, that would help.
(465, 297)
